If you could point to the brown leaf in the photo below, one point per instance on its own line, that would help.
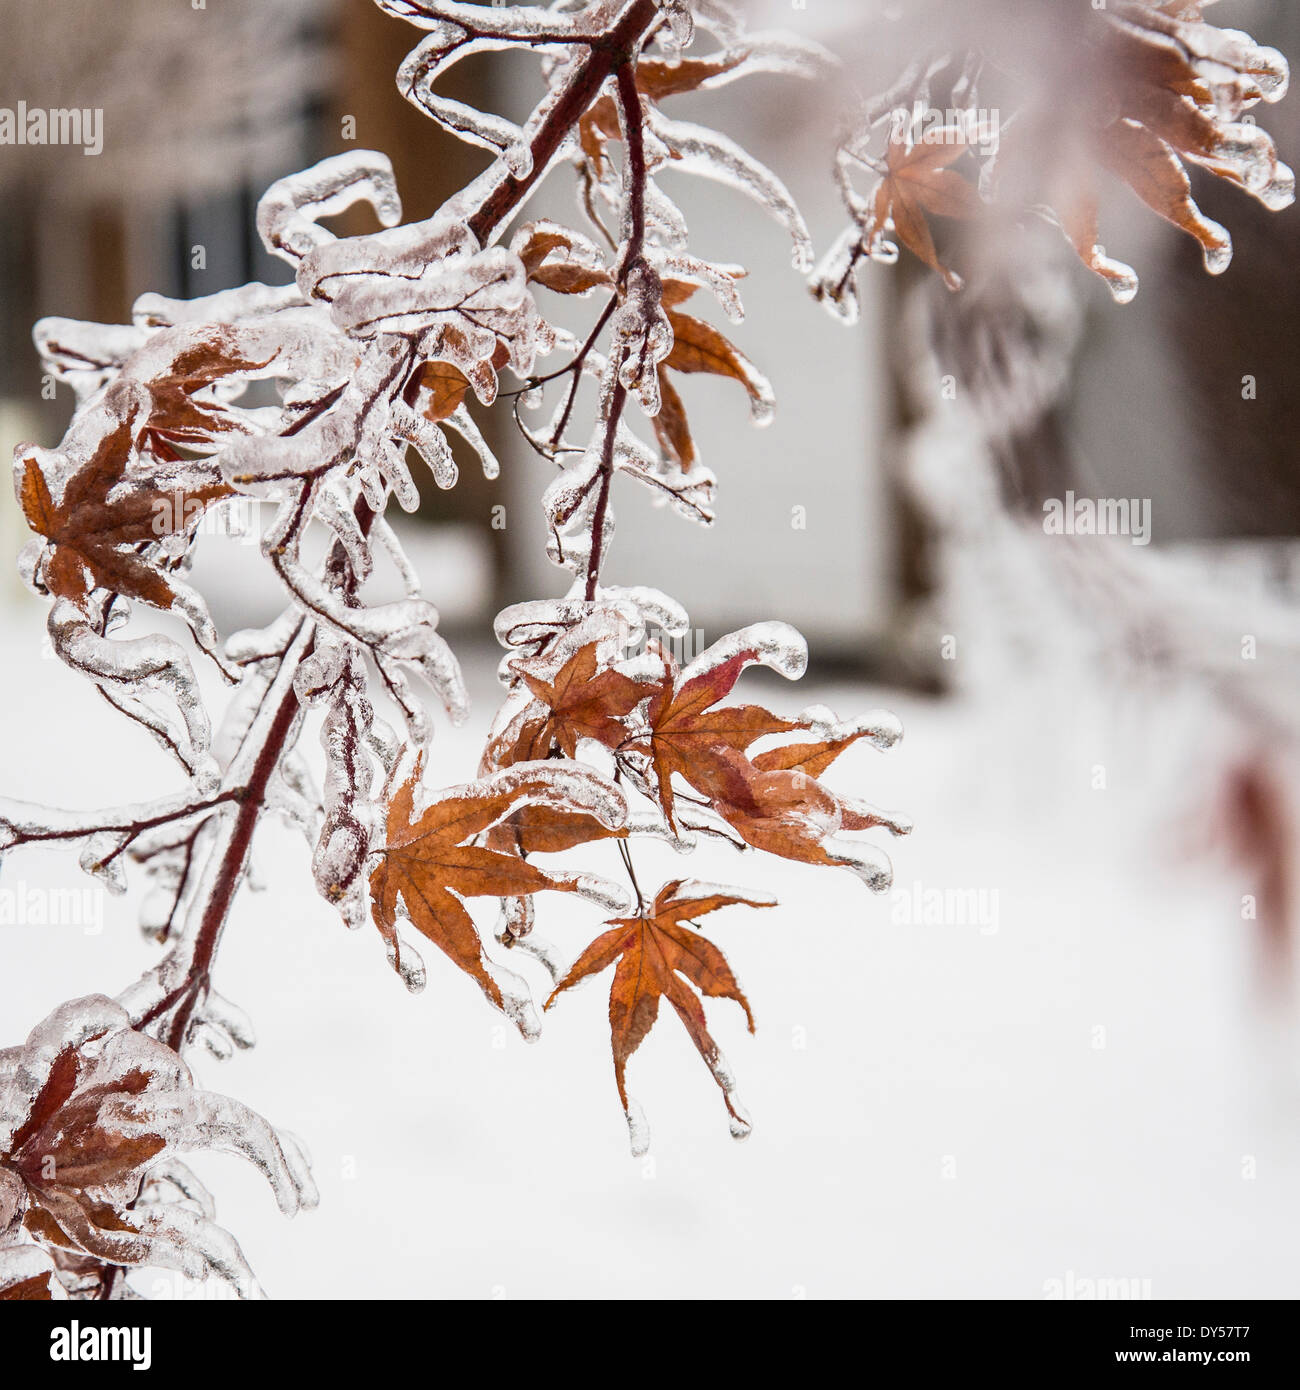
(690, 736)
(431, 864)
(175, 414)
(38, 1288)
(1155, 173)
(672, 428)
(699, 347)
(657, 79)
(447, 387)
(918, 182)
(584, 703)
(657, 957)
(567, 277)
(102, 521)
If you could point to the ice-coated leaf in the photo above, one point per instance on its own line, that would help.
(431, 861)
(656, 956)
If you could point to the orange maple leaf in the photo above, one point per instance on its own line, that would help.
(582, 703)
(690, 736)
(772, 800)
(431, 863)
(103, 521)
(919, 181)
(660, 958)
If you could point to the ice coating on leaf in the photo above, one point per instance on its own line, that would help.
(541, 951)
(516, 920)
(515, 23)
(24, 1264)
(720, 281)
(865, 816)
(834, 282)
(612, 897)
(194, 1120)
(663, 215)
(652, 824)
(738, 1119)
(773, 644)
(157, 311)
(1121, 279)
(230, 1019)
(334, 677)
(401, 631)
(173, 1175)
(881, 728)
(691, 890)
(638, 1128)
(564, 785)
(699, 150)
(516, 1001)
(131, 672)
(289, 210)
(689, 492)
(870, 864)
(91, 1109)
(570, 489)
(681, 20)
(405, 960)
(212, 1040)
(463, 423)
(101, 859)
(429, 441)
(338, 511)
(652, 607)
(84, 355)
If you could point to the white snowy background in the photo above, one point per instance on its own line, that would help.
(935, 1111)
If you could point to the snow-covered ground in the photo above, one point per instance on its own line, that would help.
(1077, 1080)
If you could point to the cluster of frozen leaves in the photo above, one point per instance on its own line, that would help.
(324, 399)
(93, 1117)
(1148, 88)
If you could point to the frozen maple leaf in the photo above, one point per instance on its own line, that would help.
(655, 80)
(656, 956)
(699, 347)
(1179, 87)
(773, 799)
(27, 1272)
(919, 182)
(180, 411)
(446, 385)
(583, 702)
(90, 1109)
(560, 259)
(689, 734)
(432, 863)
(580, 701)
(102, 519)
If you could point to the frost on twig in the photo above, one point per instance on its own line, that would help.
(327, 399)
(1142, 91)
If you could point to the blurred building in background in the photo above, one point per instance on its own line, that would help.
(202, 108)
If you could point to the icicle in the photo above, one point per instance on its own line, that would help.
(429, 441)
(713, 155)
(430, 60)
(288, 211)
(638, 1128)
(463, 423)
(405, 960)
(772, 644)
(609, 896)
